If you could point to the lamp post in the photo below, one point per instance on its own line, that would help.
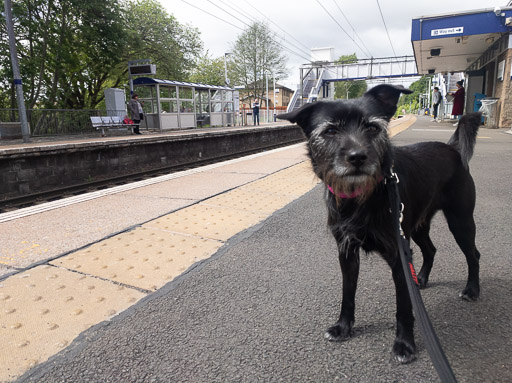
(266, 93)
(25, 132)
(274, 114)
(226, 67)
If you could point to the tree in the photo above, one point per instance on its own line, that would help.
(349, 89)
(209, 71)
(254, 53)
(66, 49)
(409, 102)
(71, 50)
(156, 35)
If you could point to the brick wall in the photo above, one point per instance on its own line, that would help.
(31, 170)
(504, 91)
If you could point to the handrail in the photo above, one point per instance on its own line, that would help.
(316, 88)
(293, 100)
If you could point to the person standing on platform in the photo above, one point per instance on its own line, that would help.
(436, 100)
(458, 101)
(256, 112)
(135, 112)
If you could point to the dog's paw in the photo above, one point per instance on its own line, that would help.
(470, 294)
(422, 278)
(404, 352)
(338, 333)
(422, 282)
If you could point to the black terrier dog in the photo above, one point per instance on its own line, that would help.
(351, 153)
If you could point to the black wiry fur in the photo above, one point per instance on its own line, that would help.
(350, 151)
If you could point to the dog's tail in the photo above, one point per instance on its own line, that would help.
(464, 138)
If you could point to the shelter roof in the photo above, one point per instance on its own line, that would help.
(152, 81)
(452, 42)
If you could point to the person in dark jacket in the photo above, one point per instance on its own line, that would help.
(458, 101)
(256, 112)
(135, 112)
(436, 100)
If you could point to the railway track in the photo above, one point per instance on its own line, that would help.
(45, 196)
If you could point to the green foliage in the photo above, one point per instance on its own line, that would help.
(154, 34)
(347, 59)
(349, 89)
(409, 102)
(71, 50)
(255, 52)
(209, 71)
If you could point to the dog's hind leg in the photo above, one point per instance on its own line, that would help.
(428, 250)
(404, 347)
(462, 226)
(349, 263)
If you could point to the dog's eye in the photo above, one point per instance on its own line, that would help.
(372, 128)
(330, 131)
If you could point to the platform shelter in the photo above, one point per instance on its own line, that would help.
(180, 105)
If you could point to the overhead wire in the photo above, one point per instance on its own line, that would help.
(343, 29)
(308, 60)
(278, 26)
(219, 18)
(306, 51)
(348, 22)
(386, 27)
(222, 9)
(211, 14)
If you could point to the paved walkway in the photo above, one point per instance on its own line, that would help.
(89, 260)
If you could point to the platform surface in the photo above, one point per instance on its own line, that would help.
(229, 274)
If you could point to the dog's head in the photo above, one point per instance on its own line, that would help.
(348, 140)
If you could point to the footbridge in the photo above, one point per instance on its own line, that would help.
(317, 79)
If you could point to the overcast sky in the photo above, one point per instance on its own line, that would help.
(305, 24)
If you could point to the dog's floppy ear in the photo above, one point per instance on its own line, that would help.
(386, 97)
(302, 117)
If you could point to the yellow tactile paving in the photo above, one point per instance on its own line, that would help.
(144, 257)
(207, 221)
(398, 126)
(42, 310)
(269, 194)
(223, 216)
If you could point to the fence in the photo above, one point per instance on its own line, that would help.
(56, 122)
(265, 117)
(52, 122)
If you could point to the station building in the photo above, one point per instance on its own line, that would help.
(477, 43)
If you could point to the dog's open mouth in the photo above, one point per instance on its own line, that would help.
(356, 185)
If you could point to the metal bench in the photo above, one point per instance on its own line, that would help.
(109, 122)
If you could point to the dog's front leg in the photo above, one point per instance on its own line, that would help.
(404, 347)
(349, 263)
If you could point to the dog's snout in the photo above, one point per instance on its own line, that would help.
(357, 157)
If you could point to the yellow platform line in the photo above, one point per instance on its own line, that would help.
(401, 124)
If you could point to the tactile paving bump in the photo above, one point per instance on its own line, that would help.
(213, 222)
(270, 193)
(143, 257)
(42, 310)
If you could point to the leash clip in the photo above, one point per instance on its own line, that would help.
(392, 177)
(401, 218)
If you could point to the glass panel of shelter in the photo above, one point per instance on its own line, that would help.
(168, 100)
(197, 101)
